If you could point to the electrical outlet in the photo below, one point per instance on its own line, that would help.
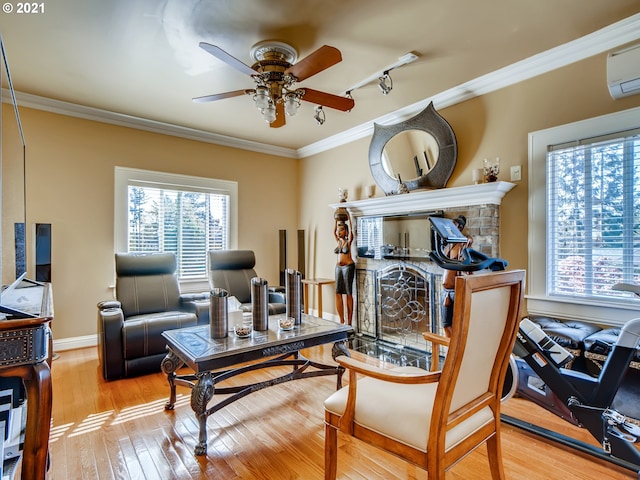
(516, 173)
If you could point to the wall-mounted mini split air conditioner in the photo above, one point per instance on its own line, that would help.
(623, 72)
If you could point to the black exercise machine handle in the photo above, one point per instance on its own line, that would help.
(472, 261)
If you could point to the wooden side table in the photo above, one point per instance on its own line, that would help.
(318, 282)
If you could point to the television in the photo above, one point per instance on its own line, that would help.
(13, 233)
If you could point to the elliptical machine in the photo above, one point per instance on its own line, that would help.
(588, 398)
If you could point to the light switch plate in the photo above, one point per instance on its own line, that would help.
(516, 173)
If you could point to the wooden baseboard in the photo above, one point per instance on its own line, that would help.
(75, 342)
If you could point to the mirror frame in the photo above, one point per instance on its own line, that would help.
(431, 122)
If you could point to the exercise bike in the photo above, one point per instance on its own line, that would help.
(589, 399)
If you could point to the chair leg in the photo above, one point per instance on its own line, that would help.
(330, 452)
(494, 453)
(435, 468)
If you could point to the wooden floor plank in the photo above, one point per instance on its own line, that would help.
(120, 430)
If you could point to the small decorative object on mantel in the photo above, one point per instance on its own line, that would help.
(491, 170)
(402, 187)
(477, 175)
(371, 191)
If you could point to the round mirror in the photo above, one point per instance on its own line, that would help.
(421, 152)
(410, 154)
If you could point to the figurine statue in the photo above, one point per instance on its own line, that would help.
(345, 266)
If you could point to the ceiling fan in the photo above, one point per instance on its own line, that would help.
(275, 73)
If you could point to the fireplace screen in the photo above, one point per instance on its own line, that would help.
(405, 304)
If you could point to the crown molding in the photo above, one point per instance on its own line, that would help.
(130, 121)
(607, 38)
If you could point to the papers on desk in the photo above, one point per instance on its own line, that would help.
(22, 299)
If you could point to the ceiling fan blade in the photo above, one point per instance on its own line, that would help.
(280, 116)
(226, 58)
(321, 59)
(221, 96)
(328, 99)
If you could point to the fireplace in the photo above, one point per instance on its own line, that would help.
(397, 295)
(404, 303)
(396, 302)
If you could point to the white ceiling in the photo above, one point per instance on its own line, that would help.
(140, 58)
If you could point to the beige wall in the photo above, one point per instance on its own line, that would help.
(493, 125)
(70, 184)
(71, 163)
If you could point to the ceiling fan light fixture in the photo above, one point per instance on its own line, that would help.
(385, 83)
(275, 72)
(269, 113)
(262, 97)
(291, 103)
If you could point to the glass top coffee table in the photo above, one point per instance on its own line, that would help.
(216, 360)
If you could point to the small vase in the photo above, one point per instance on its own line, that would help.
(491, 170)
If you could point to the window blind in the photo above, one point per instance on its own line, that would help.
(593, 215)
(184, 221)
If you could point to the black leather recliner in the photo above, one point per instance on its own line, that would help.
(233, 270)
(130, 340)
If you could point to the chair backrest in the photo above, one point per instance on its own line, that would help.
(233, 271)
(147, 283)
(485, 323)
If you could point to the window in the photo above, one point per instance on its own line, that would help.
(585, 218)
(158, 212)
(593, 207)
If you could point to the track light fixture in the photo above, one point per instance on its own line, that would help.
(385, 82)
(319, 117)
(382, 77)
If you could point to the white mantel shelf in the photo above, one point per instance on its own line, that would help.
(427, 200)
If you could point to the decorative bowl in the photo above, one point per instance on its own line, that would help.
(243, 331)
(287, 323)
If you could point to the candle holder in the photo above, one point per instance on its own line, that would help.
(477, 175)
(371, 191)
(491, 170)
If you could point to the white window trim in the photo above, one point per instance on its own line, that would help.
(124, 175)
(538, 302)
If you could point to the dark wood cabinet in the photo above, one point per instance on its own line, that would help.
(25, 352)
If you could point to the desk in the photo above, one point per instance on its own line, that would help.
(319, 282)
(209, 358)
(25, 351)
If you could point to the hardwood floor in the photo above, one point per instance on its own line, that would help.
(120, 430)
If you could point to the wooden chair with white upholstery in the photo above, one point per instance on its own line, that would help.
(434, 419)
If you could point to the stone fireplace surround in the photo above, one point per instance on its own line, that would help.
(396, 300)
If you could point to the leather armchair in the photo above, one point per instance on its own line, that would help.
(233, 270)
(148, 302)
